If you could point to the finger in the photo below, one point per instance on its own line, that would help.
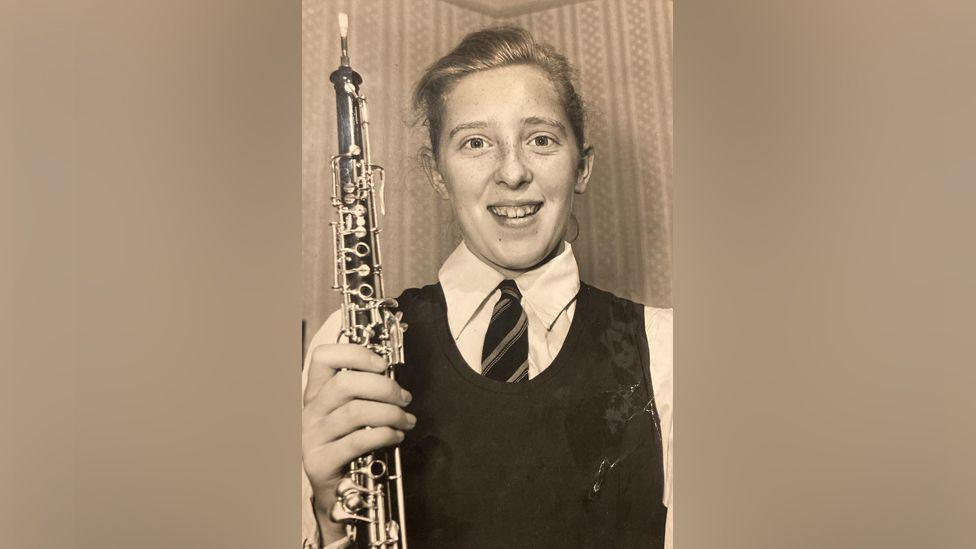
(349, 385)
(364, 441)
(344, 543)
(329, 358)
(357, 414)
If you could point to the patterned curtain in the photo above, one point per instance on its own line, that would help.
(622, 49)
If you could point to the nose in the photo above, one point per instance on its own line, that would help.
(512, 169)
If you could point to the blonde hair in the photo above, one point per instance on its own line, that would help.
(489, 49)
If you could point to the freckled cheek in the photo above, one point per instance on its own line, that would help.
(468, 182)
(465, 197)
(554, 171)
(556, 191)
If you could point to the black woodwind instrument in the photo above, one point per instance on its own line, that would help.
(371, 496)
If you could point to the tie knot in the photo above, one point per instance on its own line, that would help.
(510, 289)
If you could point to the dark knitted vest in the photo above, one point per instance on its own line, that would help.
(568, 459)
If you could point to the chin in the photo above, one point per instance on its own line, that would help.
(523, 258)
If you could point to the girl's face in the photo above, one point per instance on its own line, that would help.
(509, 163)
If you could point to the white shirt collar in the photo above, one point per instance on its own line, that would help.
(468, 283)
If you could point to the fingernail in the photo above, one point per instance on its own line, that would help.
(405, 395)
(400, 436)
(411, 420)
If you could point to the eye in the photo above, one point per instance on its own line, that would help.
(474, 143)
(542, 140)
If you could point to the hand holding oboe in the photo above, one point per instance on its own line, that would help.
(346, 392)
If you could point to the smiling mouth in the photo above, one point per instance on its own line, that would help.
(515, 211)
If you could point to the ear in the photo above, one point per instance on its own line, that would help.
(584, 171)
(434, 177)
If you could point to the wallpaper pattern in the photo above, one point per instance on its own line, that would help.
(622, 49)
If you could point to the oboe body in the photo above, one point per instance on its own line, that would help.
(371, 496)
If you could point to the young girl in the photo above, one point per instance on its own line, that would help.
(532, 410)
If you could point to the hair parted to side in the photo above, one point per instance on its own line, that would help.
(492, 48)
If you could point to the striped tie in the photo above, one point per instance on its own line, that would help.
(505, 356)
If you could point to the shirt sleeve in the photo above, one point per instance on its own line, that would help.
(659, 327)
(311, 536)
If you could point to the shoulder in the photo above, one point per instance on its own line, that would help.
(656, 319)
(659, 322)
(615, 312)
(616, 308)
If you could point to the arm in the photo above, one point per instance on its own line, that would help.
(659, 327)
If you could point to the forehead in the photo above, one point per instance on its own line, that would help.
(502, 94)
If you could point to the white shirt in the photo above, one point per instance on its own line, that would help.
(549, 301)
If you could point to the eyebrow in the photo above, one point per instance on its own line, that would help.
(467, 126)
(545, 122)
(480, 124)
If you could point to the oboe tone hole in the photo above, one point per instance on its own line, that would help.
(377, 469)
(362, 249)
(366, 290)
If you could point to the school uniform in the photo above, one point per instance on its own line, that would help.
(576, 455)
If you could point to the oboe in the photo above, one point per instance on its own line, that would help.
(371, 496)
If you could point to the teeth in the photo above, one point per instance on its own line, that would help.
(514, 212)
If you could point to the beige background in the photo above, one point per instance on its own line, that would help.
(150, 274)
(622, 49)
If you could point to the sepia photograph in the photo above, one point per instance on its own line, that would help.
(405, 274)
(486, 237)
